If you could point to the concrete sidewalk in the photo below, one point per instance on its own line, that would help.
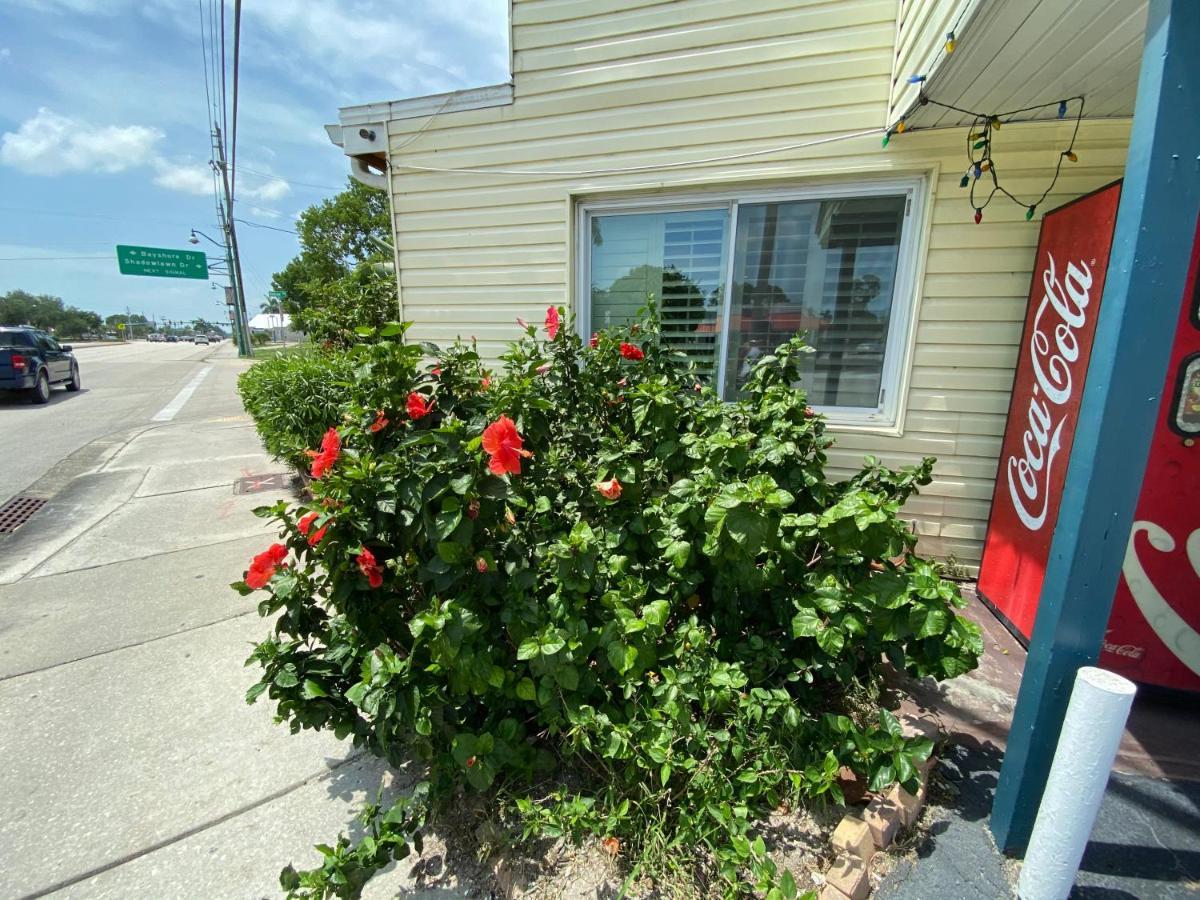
(132, 765)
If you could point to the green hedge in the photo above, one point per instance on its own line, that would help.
(294, 398)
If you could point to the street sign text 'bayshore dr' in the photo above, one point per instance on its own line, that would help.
(161, 262)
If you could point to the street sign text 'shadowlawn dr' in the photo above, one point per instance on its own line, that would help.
(161, 262)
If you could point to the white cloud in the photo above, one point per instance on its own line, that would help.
(271, 190)
(263, 212)
(188, 178)
(5, 53)
(49, 144)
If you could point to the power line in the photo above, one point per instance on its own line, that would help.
(293, 182)
(110, 258)
(269, 227)
(237, 31)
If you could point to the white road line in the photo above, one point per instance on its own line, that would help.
(171, 410)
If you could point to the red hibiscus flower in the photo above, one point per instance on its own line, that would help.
(524, 325)
(263, 567)
(543, 368)
(305, 522)
(629, 351)
(610, 489)
(369, 567)
(316, 536)
(481, 566)
(418, 406)
(331, 449)
(437, 371)
(593, 341)
(486, 383)
(503, 444)
(552, 322)
(380, 422)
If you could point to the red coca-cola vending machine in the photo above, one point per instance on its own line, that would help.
(1153, 631)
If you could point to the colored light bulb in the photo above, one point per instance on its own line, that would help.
(1062, 108)
(1029, 212)
(1070, 154)
(951, 43)
(978, 216)
(979, 145)
(984, 166)
(995, 122)
(915, 79)
(966, 179)
(900, 126)
(886, 138)
(978, 170)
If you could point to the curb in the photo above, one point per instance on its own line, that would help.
(857, 839)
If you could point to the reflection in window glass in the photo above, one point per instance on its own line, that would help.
(826, 267)
(679, 257)
(1187, 399)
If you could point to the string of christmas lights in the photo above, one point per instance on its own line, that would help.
(981, 140)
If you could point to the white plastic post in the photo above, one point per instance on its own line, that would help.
(1087, 746)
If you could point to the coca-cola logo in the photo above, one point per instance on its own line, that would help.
(1172, 629)
(1130, 651)
(1053, 351)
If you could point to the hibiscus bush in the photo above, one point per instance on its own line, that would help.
(587, 585)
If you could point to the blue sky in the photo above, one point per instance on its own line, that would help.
(104, 134)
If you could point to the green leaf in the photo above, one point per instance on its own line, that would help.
(452, 553)
(460, 484)
(526, 689)
(787, 885)
(806, 623)
(890, 724)
(312, 690)
(656, 612)
(881, 778)
(529, 648)
(832, 640)
(567, 677)
(392, 329)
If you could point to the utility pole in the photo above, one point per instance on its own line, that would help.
(232, 260)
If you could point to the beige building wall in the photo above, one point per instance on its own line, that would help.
(484, 198)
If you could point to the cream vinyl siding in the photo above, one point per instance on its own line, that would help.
(605, 84)
(921, 29)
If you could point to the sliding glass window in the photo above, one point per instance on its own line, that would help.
(735, 279)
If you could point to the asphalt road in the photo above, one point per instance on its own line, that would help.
(124, 385)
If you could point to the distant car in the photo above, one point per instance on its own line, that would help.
(32, 361)
(200, 339)
(213, 337)
(171, 339)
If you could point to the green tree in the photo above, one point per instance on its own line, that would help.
(338, 236)
(18, 307)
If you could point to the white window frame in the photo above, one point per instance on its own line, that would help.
(885, 414)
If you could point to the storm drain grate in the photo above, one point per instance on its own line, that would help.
(16, 512)
(255, 484)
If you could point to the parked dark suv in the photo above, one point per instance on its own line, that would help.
(32, 361)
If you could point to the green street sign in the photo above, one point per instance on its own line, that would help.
(161, 262)
(277, 295)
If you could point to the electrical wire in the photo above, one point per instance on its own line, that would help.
(290, 181)
(224, 68)
(652, 167)
(109, 257)
(268, 227)
(237, 31)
